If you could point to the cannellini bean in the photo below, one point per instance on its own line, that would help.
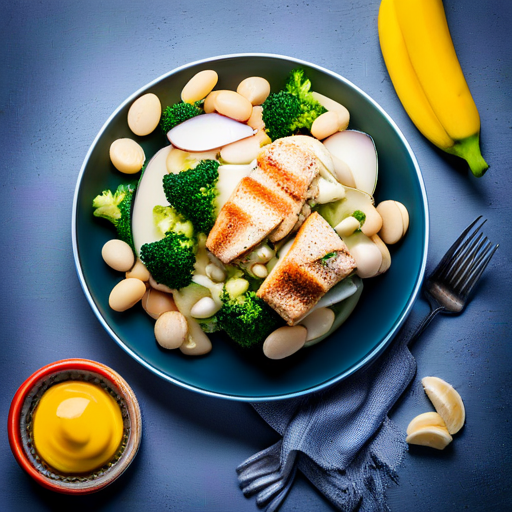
(233, 105)
(126, 294)
(138, 271)
(255, 88)
(392, 229)
(144, 114)
(127, 156)
(204, 308)
(156, 302)
(368, 259)
(215, 273)
(331, 105)
(256, 122)
(118, 255)
(199, 86)
(405, 215)
(318, 322)
(285, 341)
(373, 221)
(158, 286)
(347, 226)
(342, 172)
(386, 256)
(209, 102)
(259, 270)
(325, 125)
(171, 330)
(264, 253)
(197, 342)
(242, 151)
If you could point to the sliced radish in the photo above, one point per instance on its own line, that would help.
(358, 151)
(150, 193)
(208, 131)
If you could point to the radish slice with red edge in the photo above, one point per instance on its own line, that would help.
(208, 131)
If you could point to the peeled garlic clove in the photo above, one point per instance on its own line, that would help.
(447, 401)
(435, 437)
(427, 419)
(207, 131)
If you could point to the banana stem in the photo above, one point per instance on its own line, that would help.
(469, 150)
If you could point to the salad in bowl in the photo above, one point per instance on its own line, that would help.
(245, 217)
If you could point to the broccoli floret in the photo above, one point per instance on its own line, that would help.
(193, 194)
(287, 112)
(117, 208)
(170, 261)
(247, 319)
(177, 113)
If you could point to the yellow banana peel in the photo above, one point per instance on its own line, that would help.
(423, 66)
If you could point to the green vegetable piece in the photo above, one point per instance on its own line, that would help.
(287, 112)
(360, 216)
(117, 208)
(247, 320)
(170, 261)
(327, 257)
(193, 194)
(177, 113)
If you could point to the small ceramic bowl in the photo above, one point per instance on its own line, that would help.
(20, 425)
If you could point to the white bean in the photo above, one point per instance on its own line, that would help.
(171, 330)
(144, 114)
(331, 105)
(118, 255)
(139, 271)
(127, 156)
(318, 322)
(215, 273)
(285, 341)
(347, 226)
(126, 294)
(199, 86)
(325, 125)
(259, 270)
(392, 229)
(237, 286)
(204, 308)
(242, 151)
(386, 256)
(156, 302)
(255, 88)
(197, 342)
(264, 253)
(368, 259)
(233, 105)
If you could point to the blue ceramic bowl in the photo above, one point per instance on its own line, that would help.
(227, 371)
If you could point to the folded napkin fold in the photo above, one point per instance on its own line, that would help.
(340, 438)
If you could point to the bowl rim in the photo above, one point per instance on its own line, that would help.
(64, 365)
(371, 356)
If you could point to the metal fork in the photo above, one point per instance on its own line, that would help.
(448, 287)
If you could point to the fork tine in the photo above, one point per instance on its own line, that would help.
(445, 264)
(464, 267)
(473, 278)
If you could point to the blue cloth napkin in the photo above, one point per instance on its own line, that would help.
(340, 438)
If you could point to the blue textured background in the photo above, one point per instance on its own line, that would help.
(65, 66)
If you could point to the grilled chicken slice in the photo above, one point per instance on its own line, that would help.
(269, 202)
(317, 260)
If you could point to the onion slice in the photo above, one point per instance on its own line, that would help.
(208, 131)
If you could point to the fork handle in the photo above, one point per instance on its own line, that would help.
(424, 324)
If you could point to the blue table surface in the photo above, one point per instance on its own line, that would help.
(66, 66)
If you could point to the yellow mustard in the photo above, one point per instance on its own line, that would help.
(77, 427)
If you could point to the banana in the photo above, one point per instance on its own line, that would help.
(423, 66)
